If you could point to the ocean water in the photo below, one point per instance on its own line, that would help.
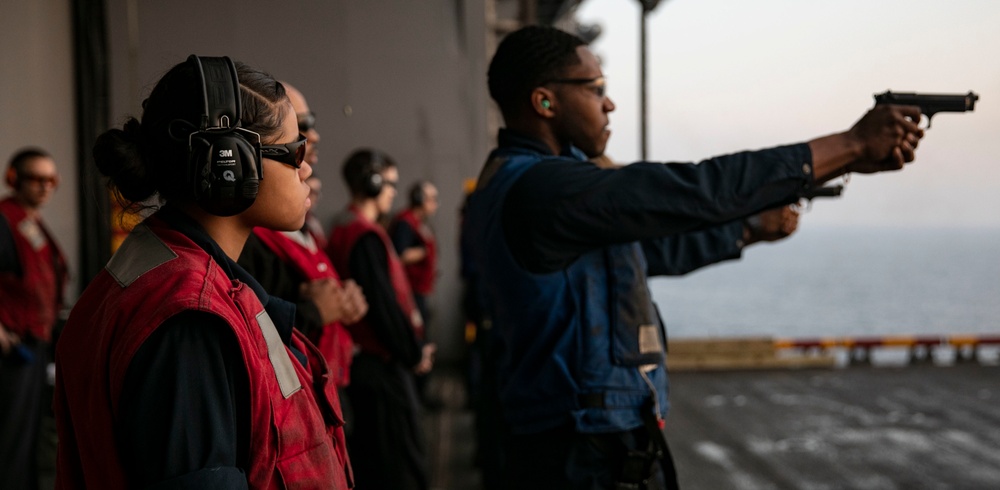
(843, 282)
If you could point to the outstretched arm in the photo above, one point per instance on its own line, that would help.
(679, 254)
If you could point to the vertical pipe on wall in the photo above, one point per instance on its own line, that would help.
(90, 55)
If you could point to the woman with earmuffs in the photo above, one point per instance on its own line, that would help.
(176, 369)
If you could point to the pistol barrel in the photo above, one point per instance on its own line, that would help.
(930, 104)
(825, 191)
(940, 102)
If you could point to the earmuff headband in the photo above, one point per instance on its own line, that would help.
(221, 92)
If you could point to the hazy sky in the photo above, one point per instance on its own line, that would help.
(728, 75)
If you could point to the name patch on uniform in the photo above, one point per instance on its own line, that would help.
(288, 381)
(649, 339)
(31, 232)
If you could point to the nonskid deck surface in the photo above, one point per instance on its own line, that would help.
(919, 426)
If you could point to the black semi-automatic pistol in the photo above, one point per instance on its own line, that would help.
(930, 104)
(826, 191)
(823, 191)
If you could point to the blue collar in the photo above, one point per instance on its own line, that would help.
(509, 140)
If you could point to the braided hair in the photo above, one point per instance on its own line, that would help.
(525, 59)
(146, 158)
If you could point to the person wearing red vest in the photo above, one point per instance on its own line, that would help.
(176, 369)
(32, 278)
(415, 243)
(289, 265)
(293, 266)
(390, 336)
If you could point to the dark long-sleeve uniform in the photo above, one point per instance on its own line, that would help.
(556, 244)
(555, 212)
(382, 393)
(370, 269)
(8, 256)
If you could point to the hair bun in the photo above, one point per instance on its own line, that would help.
(132, 130)
(117, 155)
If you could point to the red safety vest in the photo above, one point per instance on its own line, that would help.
(333, 340)
(348, 228)
(29, 303)
(421, 274)
(296, 433)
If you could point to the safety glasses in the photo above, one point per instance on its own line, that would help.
(597, 84)
(43, 180)
(306, 121)
(290, 154)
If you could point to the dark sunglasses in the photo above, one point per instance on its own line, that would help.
(52, 180)
(598, 83)
(306, 121)
(290, 154)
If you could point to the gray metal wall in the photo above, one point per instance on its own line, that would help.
(405, 76)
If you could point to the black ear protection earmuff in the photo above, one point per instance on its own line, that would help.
(372, 182)
(224, 160)
(12, 177)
